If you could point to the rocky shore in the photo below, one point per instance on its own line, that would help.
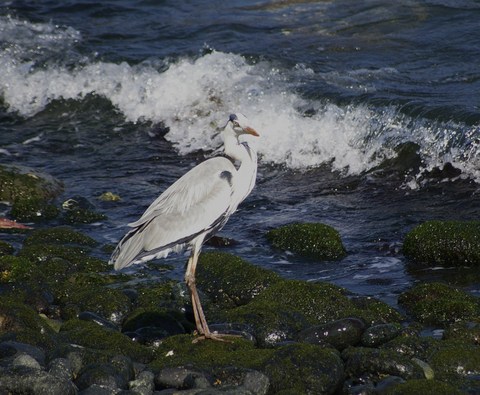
(70, 325)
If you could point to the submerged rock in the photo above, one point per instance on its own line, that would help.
(313, 240)
(439, 304)
(444, 243)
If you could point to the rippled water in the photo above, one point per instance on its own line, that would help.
(368, 113)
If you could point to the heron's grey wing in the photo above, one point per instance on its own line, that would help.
(194, 204)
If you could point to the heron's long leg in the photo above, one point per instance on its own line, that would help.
(200, 321)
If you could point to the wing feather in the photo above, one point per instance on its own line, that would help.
(195, 203)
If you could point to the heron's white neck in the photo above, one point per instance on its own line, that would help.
(244, 179)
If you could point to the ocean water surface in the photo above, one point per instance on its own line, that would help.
(369, 116)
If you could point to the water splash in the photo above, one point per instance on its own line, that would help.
(193, 97)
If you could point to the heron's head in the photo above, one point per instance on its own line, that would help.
(240, 125)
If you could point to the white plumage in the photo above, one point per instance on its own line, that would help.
(192, 209)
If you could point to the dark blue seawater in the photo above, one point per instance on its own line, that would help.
(369, 116)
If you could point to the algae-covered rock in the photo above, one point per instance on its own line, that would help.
(29, 192)
(59, 235)
(378, 363)
(109, 303)
(209, 355)
(90, 335)
(313, 240)
(444, 243)
(230, 281)
(439, 304)
(466, 332)
(380, 334)
(374, 311)
(413, 346)
(6, 248)
(456, 361)
(24, 323)
(79, 210)
(424, 387)
(304, 369)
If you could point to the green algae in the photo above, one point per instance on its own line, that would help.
(59, 235)
(313, 240)
(424, 387)
(230, 281)
(304, 369)
(23, 322)
(444, 243)
(439, 304)
(456, 361)
(180, 351)
(93, 336)
(6, 248)
(29, 192)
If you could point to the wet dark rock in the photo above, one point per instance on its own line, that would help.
(29, 192)
(152, 325)
(388, 383)
(340, 333)
(22, 380)
(240, 330)
(379, 334)
(304, 368)
(96, 389)
(78, 210)
(181, 378)
(144, 383)
(104, 375)
(13, 348)
(230, 281)
(313, 240)
(61, 368)
(378, 363)
(444, 243)
(423, 387)
(439, 304)
(413, 346)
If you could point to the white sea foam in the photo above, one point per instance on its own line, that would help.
(194, 96)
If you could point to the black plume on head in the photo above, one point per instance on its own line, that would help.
(233, 117)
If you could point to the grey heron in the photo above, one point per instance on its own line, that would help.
(192, 209)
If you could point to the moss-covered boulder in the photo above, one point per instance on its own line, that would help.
(229, 281)
(6, 248)
(209, 355)
(444, 243)
(108, 342)
(439, 304)
(29, 192)
(424, 387)
(455, 362)
(312, 240)
(466, 332)
(59, 235)
(304, 369)
(22, 323)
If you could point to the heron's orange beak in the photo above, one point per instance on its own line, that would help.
(251, 131)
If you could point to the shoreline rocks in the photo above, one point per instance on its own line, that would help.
(70, 324)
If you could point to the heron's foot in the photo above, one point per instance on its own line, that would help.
(221, 337)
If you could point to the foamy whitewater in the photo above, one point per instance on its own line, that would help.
(191, 95)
